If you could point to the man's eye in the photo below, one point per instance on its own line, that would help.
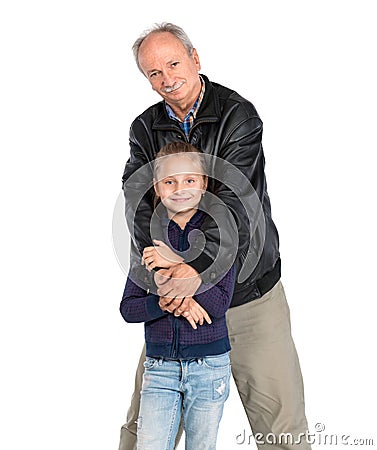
(174, 64)
(153, 74)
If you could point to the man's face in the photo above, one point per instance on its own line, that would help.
(171, 71)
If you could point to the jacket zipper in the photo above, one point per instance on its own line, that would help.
(174, 352)
(199, 123)
(181, 132)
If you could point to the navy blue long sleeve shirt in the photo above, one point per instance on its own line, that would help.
(174, 337)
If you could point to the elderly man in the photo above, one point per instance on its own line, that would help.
(221, 123)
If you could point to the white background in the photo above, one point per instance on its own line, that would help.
(69, 91)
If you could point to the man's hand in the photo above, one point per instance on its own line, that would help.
(170, 304)
(177, 282)
(188, 308)
(160, 255)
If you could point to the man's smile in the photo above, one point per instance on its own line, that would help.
(175, 87)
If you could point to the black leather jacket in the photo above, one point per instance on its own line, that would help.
(227, 126)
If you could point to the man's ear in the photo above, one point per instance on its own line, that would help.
(196, 59)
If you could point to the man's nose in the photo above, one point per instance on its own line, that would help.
(167, 78)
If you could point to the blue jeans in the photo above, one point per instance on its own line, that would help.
(196, 388)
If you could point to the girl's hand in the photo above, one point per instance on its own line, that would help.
(188, 308)
(193, 312)
(160, 255)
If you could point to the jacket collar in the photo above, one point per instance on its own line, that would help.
(195, 222)
(209, 110)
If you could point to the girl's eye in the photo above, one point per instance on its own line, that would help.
(168, 182)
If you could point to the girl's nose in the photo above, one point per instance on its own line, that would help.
(179, 186)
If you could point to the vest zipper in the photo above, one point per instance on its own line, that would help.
(174, 352)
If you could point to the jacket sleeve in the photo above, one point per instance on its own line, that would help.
(139, 306)
(216, 299)
(137, 187)
(241, 190)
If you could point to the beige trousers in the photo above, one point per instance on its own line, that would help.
(265, 369)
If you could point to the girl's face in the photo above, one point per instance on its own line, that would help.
(180, 182)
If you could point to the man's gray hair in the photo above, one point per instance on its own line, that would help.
(164, 27)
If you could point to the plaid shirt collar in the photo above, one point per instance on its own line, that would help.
(188, 121)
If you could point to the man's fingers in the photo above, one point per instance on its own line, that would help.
(164, 302)
(159, 243)
(162, 277)
(151, 266)
(164, 293)
(149, 262)
(175, 303)
(169, 302)
(147, 253)
(177, 288)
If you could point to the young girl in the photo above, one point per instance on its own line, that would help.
(187, 368)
